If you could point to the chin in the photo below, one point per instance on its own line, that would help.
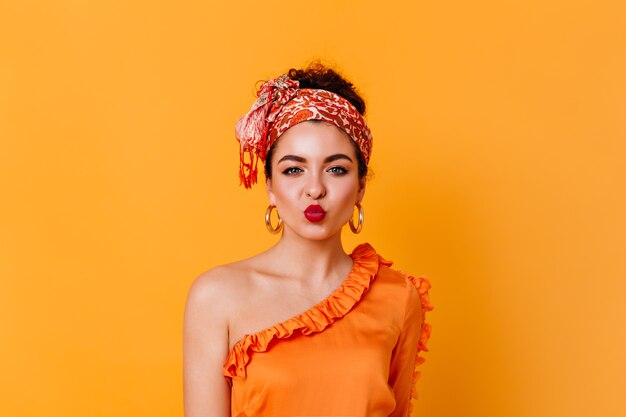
(320, 234)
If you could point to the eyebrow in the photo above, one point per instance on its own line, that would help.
(328, 159)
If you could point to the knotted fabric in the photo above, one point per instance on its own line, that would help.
(280, 105)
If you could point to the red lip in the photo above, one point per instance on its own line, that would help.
(314, 213)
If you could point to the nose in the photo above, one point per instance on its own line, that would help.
(315, 188)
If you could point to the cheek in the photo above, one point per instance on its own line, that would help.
(283, 191)
(348, 192)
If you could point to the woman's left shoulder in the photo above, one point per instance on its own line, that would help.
(413, 281)
(388, 271)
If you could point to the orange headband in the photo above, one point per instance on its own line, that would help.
(281, 104)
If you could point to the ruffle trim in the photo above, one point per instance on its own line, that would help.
(423, 285)
(339, 303)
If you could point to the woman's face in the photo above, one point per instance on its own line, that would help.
(315, 182)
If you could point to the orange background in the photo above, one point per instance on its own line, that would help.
(499, 163)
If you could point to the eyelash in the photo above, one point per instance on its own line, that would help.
(291, 171)
(342, 170)
(337, 170)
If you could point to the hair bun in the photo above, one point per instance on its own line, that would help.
(321, 77)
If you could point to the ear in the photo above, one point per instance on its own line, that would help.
(361, 193)
(270, 193)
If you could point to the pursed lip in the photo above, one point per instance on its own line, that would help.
(314, 213)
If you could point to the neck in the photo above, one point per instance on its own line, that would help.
(313, 261)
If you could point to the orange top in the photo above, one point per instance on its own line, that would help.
(352, 354)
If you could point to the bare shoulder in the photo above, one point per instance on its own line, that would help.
(211, 282)
(206, 341)
(212, 288)
(219, 288)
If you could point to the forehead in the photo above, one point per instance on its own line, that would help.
(314, 138)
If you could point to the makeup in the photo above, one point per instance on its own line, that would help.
(314, 213)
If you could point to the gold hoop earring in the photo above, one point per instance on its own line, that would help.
(357, 229)
(268, 220)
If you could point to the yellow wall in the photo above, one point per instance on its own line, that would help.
(499, 156)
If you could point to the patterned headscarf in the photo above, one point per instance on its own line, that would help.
(281, 104)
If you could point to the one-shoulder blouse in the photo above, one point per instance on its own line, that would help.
(355, 353)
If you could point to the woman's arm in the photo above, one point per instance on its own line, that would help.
(403, 357)
(413, 337)
(205, 347)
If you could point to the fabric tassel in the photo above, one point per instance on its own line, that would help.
(251, 129)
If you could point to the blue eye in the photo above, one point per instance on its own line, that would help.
(338, 170)
(292, 171)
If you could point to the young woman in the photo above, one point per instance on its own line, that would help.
(303, 328)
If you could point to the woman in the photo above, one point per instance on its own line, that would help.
(304, 329)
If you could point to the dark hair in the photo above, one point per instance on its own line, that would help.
(321, 77)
